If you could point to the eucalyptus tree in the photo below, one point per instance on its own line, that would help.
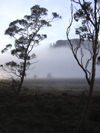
(86, 15)
(27, 34)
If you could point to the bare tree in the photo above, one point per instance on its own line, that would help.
(27, 34)
(87, 15)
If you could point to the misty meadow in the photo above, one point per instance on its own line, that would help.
(49, 69)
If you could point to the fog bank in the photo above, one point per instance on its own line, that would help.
(56, 63)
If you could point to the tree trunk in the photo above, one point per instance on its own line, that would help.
(83, 121)
(22, 77)
(20, 85)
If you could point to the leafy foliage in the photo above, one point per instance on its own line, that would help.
(26, 33)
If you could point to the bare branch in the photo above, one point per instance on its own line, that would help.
(74, 51)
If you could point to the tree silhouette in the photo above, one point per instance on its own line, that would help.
(49, 76)
(27, 34)
(88, 18)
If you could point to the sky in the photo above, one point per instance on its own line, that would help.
(11, 10)
(60, 62)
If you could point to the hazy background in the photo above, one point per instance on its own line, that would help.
(56, 62)
(59, 62)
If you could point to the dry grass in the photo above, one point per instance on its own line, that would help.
(56, 112)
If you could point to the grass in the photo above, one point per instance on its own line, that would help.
(55, 112)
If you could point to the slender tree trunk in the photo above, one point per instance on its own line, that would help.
(89, 97)
(83, 120)
(95, 44)
(22, 78)
(20, 85)
(91, 87)
(24, 69)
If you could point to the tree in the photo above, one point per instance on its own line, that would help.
(35, 76)
(88, 18)
(27, 34)
(49, 76)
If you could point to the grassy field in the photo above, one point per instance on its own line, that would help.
(46, 112)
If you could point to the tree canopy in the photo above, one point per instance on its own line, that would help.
(27, 34)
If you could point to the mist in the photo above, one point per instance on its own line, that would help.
(51, 62)
(57, 62)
